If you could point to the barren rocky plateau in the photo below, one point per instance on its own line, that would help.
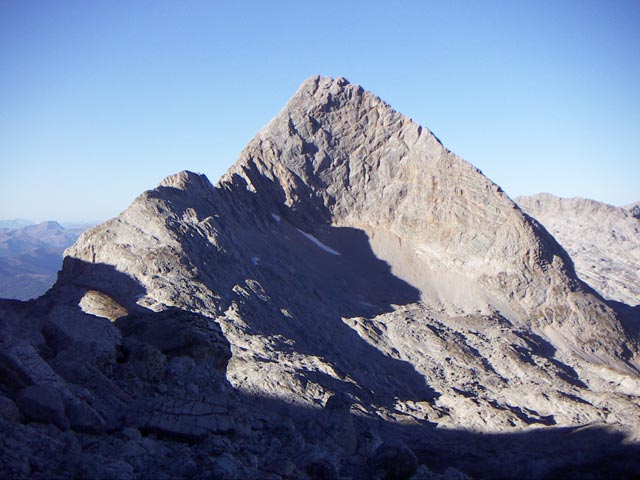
(350, 300)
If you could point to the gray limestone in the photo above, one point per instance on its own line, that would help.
(602, 240)
(350, 300)
(43, 403)
(634, 208)
(9, 410)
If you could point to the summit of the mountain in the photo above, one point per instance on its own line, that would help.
(337, 155)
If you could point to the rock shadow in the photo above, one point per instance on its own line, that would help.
(83, 276)
(301, 278)
(629, 317)
(541, 347)
(354, 445)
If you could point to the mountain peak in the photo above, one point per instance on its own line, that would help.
(338, 157)
(328, 124)
(351, 266)
(318, 82)
(183, 179)
(51, 225)
(319, 94)
(194, 183)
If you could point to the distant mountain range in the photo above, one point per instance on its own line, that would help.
(31, 255)
(15, 223)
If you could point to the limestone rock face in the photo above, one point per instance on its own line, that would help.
(346, 287)
(338, 212)
(603, 241)
(338, 155)
(634, 208)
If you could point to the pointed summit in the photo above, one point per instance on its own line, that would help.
(339, 155)
(347, 237)
(317, 82)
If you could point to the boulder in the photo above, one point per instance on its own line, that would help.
(148, 363)
(21, 365)
(393, 461)
(8, 409)
(43, 403)
(82, 417)
(184, 419)
(68, 325)
(176, 332)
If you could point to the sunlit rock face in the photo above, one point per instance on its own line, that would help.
(348, 286)
(603, 241)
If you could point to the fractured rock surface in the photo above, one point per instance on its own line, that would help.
(350, 300)
(603, 241)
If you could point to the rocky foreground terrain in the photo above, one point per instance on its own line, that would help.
(351, 300)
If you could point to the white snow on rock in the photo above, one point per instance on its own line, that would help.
(318, 243)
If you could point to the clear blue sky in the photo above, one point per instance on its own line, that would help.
(100, 100)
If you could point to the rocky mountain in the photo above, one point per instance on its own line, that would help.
(602, 240)
(350, 300)
(634, 208)
(31, 255)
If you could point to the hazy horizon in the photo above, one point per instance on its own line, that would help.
(99, 102)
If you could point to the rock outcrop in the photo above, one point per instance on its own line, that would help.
(347, 287)
(602, 240)
(634, 208)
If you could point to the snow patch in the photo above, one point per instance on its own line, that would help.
(318, 243)
(276, 217)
